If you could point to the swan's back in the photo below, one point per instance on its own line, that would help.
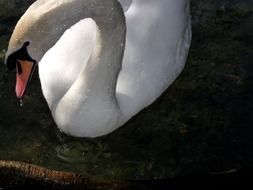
(157, 43)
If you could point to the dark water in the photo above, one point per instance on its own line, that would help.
(202, 123)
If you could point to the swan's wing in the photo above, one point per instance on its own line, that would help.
(157, 42)
(61, 64)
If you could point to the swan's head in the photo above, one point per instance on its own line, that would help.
(20, 57)
(27, 45)
(24, 65)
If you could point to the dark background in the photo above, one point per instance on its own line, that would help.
(203, 123)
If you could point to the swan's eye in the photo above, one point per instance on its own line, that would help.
(21, 54)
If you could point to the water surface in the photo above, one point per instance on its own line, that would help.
(202, 123)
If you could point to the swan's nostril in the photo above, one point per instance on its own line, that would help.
(19, 68)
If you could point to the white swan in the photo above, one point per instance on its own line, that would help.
(98, 65)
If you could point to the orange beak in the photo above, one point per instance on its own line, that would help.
(24, 72)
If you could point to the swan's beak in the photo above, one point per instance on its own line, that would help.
(23, 76)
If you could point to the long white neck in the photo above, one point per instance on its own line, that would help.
(86, 105)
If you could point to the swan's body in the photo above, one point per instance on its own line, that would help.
(87, 91)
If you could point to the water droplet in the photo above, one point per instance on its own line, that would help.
(21, 103)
